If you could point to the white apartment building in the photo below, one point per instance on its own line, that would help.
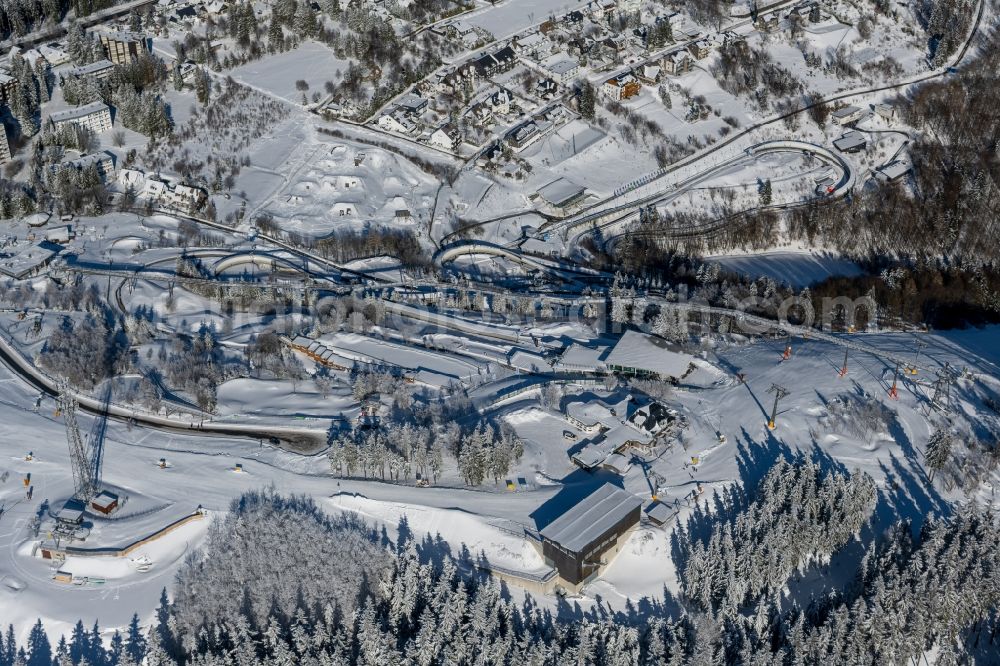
(95, 116)
(4, 147)
(562, 70)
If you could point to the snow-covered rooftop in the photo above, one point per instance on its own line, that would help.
(594, 412)
(581, 357)
(894, 170)
(648, 353)
(659, 512)
(561, 66)
(590, 456)
(617, 463)
(28, 258)
(92, 68)
(561, 192)
(623, 434)
(850, 141)
(591, 518)
(79, 112)
(845, 112)
(528, 361)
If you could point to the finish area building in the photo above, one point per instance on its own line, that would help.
(582, 541)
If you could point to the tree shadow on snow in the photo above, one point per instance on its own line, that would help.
(907, 495)
(635, 614)
(753, 460)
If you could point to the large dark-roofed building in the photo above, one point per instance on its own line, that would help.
(580, 542)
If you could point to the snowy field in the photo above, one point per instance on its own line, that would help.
(512, 16)
(797, 269)
(311, 62)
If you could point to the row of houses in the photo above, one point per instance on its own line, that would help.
(472, 73)
(187, 13)
(805, 12)
(539, 50)
(120, 48)
(677, 62)
(408, 117)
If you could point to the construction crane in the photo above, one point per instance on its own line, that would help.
(84, 479)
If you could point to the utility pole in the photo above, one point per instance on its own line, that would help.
(893, 392)
(843, 368)
(779, 393)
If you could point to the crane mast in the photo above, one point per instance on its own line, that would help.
(83, 473)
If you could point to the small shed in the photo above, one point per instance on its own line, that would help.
(105, 503)
(51, 550)
(61, 234)
(70, 514)
(660, 514)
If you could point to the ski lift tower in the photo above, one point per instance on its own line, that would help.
(83, 473)
(779, 393)
(913, 366)
(946, 378)
(893, 390)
